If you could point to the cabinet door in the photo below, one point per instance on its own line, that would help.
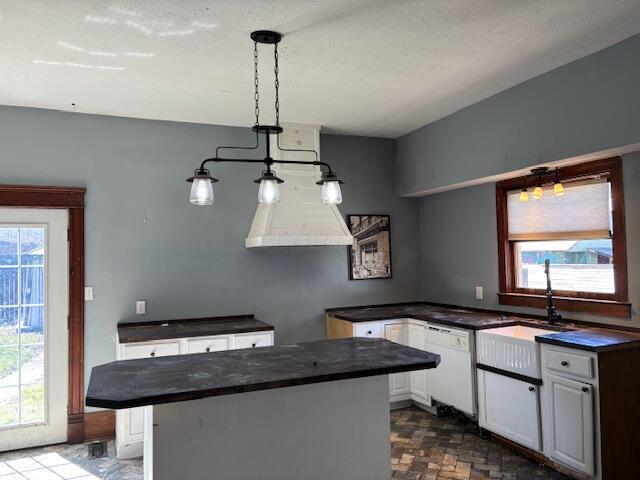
(510, 408)
(398, 382)
(130, 422)
(569, 432)
(418, 379)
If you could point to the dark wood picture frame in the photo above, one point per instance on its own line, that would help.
(71, 199)
(350, 247)
(616, 304)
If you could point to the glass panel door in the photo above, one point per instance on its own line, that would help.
(22, 325)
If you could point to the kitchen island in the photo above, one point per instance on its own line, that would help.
(312, 410)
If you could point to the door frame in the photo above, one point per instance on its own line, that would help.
(72, 200)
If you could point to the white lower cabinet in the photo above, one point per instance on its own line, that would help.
(509, 408)
(569, 422)
(418, 379)
(398, 382)
(130, 422)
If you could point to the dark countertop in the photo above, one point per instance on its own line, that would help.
(583, 336)
(454, 317)
(593, 339)
(151, 381)
(190, 327)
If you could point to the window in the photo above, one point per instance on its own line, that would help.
(581, 233)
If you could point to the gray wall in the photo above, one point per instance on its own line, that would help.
(586, 106)
(145, 241)
(459, 245)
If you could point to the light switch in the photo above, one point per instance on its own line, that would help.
(88, 294)
(141, 307)
(479, 294)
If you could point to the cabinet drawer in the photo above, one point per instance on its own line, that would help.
(370, 330)
(252, 340)
(208, 344)
(569, 363)
(144, 350)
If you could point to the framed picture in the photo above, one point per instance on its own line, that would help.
(370, 254)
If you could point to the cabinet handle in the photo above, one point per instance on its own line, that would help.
(532, 389)
(564, 363)
(253, 345)
(153, 354)
(208, 349)
(369, 332)
(585, 389)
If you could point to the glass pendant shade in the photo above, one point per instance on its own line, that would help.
(524, 196)
(331, 192)
(269, 191)
(537, 192)
(201, 191)
(558, 189)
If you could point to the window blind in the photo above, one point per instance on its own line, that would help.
(584, 211)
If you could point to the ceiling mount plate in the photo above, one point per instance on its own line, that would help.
(266, 36)
(267, 129)
(539, 170)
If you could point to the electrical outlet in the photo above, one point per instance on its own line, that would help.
(141, 307)
(88, 294)
(479, 294)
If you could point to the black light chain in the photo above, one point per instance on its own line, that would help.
(256, 95)
(277, 83)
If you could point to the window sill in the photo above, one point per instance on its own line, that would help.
(609, 308)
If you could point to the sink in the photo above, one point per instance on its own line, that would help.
(513, 349)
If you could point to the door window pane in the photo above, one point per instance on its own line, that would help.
(8, 246)
(32, 285)
(9, 286)
(9, 366)
(32, 364)
(9, 322)
(32, 246)
(32, 403)
(9, 412)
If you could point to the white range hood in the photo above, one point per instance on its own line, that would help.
(300, 218)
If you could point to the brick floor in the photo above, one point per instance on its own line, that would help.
(425, 447)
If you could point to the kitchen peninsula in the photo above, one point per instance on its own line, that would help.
(312, 410)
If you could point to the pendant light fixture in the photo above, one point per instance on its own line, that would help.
(268, 191)
(558, 189)
(539, 173)
(524, 194)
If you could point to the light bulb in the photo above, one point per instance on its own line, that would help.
(269, 192)
(331, 192)
(537, 192)
(524, 196)
(558, 189)
(201, 191)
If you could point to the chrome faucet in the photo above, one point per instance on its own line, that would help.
(552, 316)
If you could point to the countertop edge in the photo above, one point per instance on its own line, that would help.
(255, 387)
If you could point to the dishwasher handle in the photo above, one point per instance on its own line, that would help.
(441, 330)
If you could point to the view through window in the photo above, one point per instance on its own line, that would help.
(22, 312)
(576, 265)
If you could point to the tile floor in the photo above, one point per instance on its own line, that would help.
(66, 462)
(423, 447)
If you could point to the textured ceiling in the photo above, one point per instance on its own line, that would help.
(367, 67)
